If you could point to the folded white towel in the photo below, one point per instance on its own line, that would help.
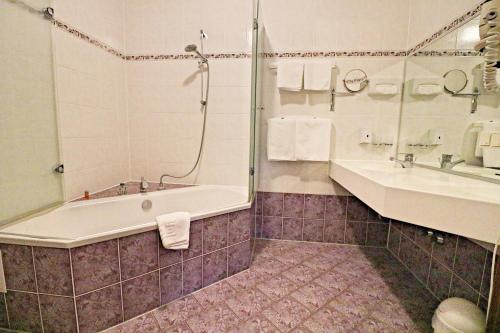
(174, 230)
(281, 139)
(317, 76)
(290, 76)
(313, 139)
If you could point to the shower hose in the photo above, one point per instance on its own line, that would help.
(204, 103)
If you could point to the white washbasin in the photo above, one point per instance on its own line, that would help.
(425, 197)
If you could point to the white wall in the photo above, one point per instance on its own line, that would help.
(326, 25)
(91, 97)
(163, 96)
(428, 16)
(332, 26)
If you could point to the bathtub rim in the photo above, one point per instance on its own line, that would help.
(14, 239)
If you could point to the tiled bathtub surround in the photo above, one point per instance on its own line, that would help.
(105, 283)
(318, 218)
(458, 268)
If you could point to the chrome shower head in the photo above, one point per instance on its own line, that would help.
(194, 48)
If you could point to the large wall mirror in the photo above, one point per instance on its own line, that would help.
(449, 121)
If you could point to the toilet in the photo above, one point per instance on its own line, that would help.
(458, 315)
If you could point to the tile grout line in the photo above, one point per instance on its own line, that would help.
(6, 308)
(158, 241)
(36, 286)
(482, 276)
(453, 266)
(120, 278)
(74, 291)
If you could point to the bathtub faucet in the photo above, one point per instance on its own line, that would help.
(143, 186)
(161, 186)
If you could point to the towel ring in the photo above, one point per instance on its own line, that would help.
(355, 80)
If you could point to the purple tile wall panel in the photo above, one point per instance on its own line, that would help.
(121, 278)
(18, 267)
(171, 257)
(3, 312)
(458, 268)
(238, 257)
(53, 271)
(238, 227)
(195, 241)
(141, 294)
(138, 254)
(95, 266)
(58, 314)
(171, 283)
(292, 228)
(214, 267)
(192, 275)
(99, 309)
(314, 206)
(293, 205)
(272, 204)
(215, 233)
(294, 216)
(23, 309)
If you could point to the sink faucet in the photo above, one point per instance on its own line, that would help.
(143, 186)
(446, 163)
(407, 162)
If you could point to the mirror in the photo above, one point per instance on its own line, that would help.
(455, 81)
(355, 80)
(441, 122)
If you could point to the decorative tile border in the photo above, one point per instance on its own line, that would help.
(455, 23)
(447, 53)
(326, 54)
(75, 32)
(96, 286)
(306, 54)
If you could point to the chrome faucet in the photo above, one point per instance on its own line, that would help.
(446, 163)
(407, 162)
(143, 185)
(161, 186)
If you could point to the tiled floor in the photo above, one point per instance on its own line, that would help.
(302, 287)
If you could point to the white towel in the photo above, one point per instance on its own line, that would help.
(290, 76)
(317, 76)
(281, 139)
(174, 230)
(313, 139)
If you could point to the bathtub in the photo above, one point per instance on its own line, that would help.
(86, 222)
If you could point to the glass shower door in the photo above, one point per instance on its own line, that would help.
(29, 147)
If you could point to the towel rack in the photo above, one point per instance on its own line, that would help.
(274, 66)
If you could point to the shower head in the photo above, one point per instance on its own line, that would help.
(191, 48)
(194, 48)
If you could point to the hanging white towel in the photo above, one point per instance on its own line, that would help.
(174, 230)
(313, 139)
(317, 76)
(290, 76)
(281, 139)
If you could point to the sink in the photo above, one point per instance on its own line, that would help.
(424, 197)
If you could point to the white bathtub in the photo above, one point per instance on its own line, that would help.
(86, 222)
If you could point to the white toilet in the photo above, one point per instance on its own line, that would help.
(458, 315)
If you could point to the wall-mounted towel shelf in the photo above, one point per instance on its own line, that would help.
(274, 66)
